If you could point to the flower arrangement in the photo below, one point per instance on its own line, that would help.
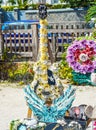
(80, 56)
(41, 66)
(46, 84)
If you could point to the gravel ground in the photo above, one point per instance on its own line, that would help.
(13, 105)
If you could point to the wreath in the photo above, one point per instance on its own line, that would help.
(81, 56)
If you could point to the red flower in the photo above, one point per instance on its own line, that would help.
(83, 51)
(87, 62)
(76, 54)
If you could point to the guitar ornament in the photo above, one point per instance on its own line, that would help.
(46, 96)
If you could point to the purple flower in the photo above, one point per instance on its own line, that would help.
(70, 58)
(76, 65)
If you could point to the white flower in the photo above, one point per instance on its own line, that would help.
(83, 57)
(43, 35)
(31, 122)
(34, 83)
(42, 124)
(43, 26)
(43, 45)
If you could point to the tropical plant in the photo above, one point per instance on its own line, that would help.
(78, 3)
(58, 6)
(20, 4)
(91, 13)
(8, 8)
(12, 2)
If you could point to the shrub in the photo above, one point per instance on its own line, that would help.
(65, 72)
(8, 8)
(86, 38)
(94, 34)
(16, 72)
(60, 6)
(91, 13)
(35, 6)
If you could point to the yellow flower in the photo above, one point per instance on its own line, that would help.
(44, 22)
(40, 95)
(43, 57)
(44, 67)
(36, 77)
(44, 77)
(47, 86)
(43, 40)
(44, 49)
(43, 31)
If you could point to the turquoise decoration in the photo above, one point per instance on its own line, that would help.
(21, 127)
(55, 111)
(82, 78)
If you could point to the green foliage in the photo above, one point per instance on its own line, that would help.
(12, 2)
(86, 38)
(34, 6)
(91, 13)
(8, 8)
(94, 34)
(8, 57)
(25, 4)
(78, 3)
(4, 55)
(60, 6)
(20, 5)
(65, 72)
(19, 72)
(49, 6)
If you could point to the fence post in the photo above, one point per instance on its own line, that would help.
(1, 41)
(35, 41)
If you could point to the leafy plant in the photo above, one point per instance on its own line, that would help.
(94, 34)
(65, 72)
(91, 13)
(86, 38)
(60, 6)
(4, 68)
(78, 3)
(16, 72)
(8, 8)
(8, 57)
(12, 2)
